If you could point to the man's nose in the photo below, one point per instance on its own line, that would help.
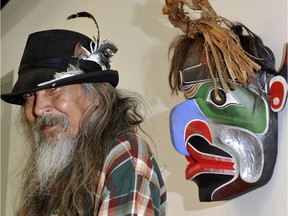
(42, 103)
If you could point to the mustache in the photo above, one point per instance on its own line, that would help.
(50, 121)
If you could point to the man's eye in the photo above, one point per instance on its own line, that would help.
(28, 95)
(54, 88)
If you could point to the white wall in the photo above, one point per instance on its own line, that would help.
(143, 35)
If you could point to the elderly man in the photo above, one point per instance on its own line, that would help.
(86, 155)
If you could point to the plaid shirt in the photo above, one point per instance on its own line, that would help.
(131, 182)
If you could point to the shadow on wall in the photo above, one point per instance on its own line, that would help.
(148, 17)
(13, 12)
(150, 20)
(6, 85)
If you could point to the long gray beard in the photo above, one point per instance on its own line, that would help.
(51, 161)
(52, 155)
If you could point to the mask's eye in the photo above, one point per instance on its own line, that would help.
(222, 99)
(218, 99)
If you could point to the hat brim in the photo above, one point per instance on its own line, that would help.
(22, 85)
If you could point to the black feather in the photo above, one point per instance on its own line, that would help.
(253, 45)
(90, 16)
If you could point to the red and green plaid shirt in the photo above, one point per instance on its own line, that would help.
(131, 182)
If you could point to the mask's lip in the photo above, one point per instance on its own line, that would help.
(203, 156)
(201, 162)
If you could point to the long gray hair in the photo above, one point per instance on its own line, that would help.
(113, 113)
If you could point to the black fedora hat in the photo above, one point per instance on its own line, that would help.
(52, 52)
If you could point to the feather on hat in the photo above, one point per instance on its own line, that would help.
(61, 57)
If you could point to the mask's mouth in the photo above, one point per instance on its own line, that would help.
(204, 157)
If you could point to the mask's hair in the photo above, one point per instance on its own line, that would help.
(113, 113)
(187, 51)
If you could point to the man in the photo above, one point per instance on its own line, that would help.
(86, 155)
